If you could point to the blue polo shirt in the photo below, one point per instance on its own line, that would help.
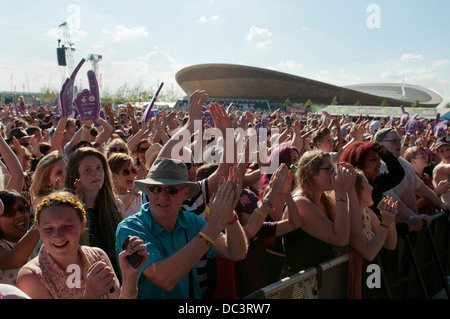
(161, 243)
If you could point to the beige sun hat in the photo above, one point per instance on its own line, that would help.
(151, 154)
(167, 171)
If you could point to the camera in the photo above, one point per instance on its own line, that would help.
(135, 259)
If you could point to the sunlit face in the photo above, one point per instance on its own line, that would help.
(58, 174)
(444, 153)
(420, 161)
(91, 172)
(365, 196)
(371, 166)
(326, 143)
(393, 142)
(143, 147)
(124, 178)
(71, 128)
(166, 205)
(14, 222)
(60, 228)
(325, 175)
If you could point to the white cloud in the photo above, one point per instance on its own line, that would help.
(256, 32)
(263, 44)
(121, 32)
(262, 35)
(291, 64)
(75, 34)
(441, 62)
(411, 57)
(204, 19)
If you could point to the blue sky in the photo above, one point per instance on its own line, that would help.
(339, 42)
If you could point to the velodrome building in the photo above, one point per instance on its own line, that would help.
(234, 82)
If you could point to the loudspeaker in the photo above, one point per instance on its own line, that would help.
(61, 54)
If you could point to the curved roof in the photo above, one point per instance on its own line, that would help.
(394, 90)
(232, 81)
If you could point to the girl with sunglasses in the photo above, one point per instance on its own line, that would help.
(325, 198)
(124, 174)
(18, 242)
(89, 176)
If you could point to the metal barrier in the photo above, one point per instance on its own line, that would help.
(418, 268)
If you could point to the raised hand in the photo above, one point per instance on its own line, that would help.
(66, 94)
(196, 101)
(87, 101)
(388, 211)
(221, 208)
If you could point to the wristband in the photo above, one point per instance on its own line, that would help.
(260, 212)
(206, 239)
(386, 226)
(124, 297)
(234, 219)
(268, 202)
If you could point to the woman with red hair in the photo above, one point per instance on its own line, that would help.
(367, 156)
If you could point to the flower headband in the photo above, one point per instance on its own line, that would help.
(60, 200)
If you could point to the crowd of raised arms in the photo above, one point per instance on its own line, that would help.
(127, 205)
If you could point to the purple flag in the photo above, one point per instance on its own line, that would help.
(147, 114)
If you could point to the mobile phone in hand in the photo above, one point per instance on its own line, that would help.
(135, 259)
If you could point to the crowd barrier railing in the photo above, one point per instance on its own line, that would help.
(419, 268)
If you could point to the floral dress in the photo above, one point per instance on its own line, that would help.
(59, 283)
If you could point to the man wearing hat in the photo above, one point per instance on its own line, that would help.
(405, 192)
(177, 239)
(21, 135)
(198, 203)
(442, 171)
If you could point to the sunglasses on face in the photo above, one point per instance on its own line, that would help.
(127, 171)
(117, 150)
(170, 190)
(22, 209)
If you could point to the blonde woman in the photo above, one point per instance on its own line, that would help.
(322, 195)
(60, 219)
(50, 175)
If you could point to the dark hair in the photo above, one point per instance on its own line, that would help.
(9, 196)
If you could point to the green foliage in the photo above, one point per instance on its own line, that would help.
(335, 101)
(416, 103)
(358, 103)
(384, 103)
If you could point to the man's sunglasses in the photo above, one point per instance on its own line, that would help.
(170, 190)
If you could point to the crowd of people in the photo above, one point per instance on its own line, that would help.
(124, 207)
